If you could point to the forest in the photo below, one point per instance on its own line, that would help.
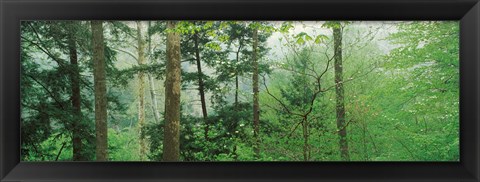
(198, 91)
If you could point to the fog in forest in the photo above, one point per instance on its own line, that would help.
(240, 91)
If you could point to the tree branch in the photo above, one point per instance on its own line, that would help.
(278, 100)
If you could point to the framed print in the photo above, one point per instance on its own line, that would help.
(239, 90)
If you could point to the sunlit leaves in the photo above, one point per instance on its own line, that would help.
(286, 27)
(320, 39)
(213, 45)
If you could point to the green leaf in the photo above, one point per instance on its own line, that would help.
(320, 39)
(308, 38)
(300, 40)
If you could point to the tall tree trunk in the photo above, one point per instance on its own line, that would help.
(151, 81)
(256, 106)
(171, 141)
(201, 88)
(100, 91)
(235, 155)
(75, 98)
(141, 92)
(340, 104)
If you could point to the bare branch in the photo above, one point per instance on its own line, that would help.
(127, 52)
(47, 90)
(350, 79)
(278, 100)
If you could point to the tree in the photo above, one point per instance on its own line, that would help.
(171, 142)
(241, 34)
(100, 91)
(141, 90)
(305, 87)
(201, 85)
(151, 80)
(256, 105)
(75, 97)
(200, 48)
(61, 43)
(302, 94)
(340, 103)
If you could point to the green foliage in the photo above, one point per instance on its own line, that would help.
(122, 144)
(401, 87)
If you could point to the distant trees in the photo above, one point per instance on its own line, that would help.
(151, 81)
(198, 49)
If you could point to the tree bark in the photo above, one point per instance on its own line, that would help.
(141, 92)
(78, 153)
(100, 91)
(201, 85)
(340, 103)
(171, 143)
(256, 106)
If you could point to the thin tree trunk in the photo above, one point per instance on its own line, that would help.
(100, 91)
(235, 155)
(306, 145)
(256, 106)
(236, 74)
(201, 85)
(141, 92)
(340, 103)
(153, 95)
(305, 140)
(236, 91)
(151, 82)
(76, 99)
(171, 142)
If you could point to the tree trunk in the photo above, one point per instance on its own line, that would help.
(151, 82)
(237, 109)
(201, 88)
(236, 73)
(76, 99)
(171, 143)
(306, 146)
(305, 123)
(141, 92)
(153, 95)
(256, 106)
(340, 104)
(100, 91)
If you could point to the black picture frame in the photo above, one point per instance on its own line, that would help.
(13, 11)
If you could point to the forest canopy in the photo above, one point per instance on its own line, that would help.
(240, 91)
